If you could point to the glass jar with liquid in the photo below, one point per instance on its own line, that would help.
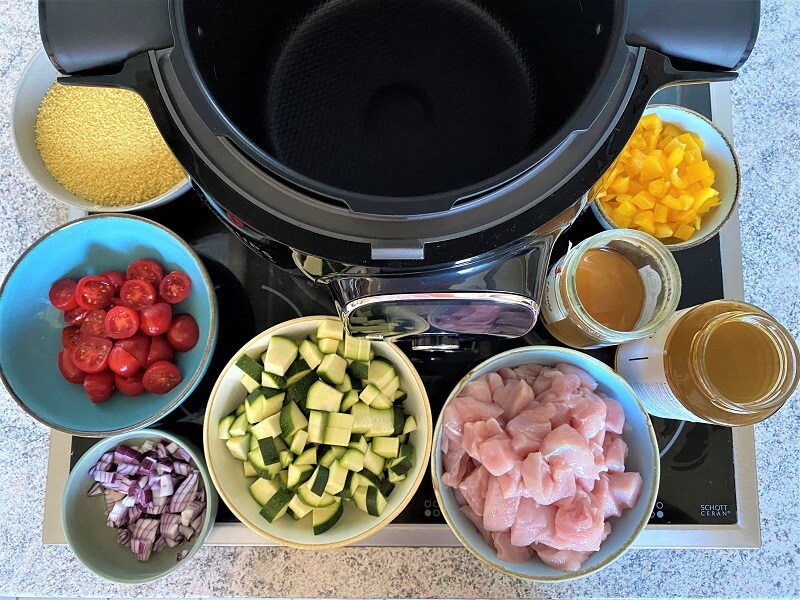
(724, 362)
(614, 287)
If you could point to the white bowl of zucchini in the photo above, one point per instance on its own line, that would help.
(315, 439)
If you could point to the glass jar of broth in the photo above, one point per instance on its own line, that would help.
(724, 362)
(614, 287)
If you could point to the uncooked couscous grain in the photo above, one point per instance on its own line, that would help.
(103, 145)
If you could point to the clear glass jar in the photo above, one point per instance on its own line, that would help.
(614, 287)
(723, 362)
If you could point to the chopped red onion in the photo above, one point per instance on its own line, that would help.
(187, 532)
(180, 468)
(169, 525)
(172, 447)
(184, 494)
(177, 541)
(134, 512)
(163, 467)
(161, 450)
(146, 446)
(133, 489)
(166, 486)
(148, 464)
(125, 454)
(128, 501)
(103, 476)
(128, 469)
(183, 455)
(95, 490)
(159, 544)
(197, 524)
(117, 516)
(188, 514)
(161, 501)
(182, 554)
(141, 549)
(124, 537)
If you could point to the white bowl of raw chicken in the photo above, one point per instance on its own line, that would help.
(565, 498)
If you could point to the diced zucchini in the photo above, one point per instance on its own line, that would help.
(331, 455)
(402, 464)
(263, 489)
(292, 419)
(285, 458)
(387, 447)
(410, 424)
(317, 421)
(310, 353)
(298, 391)
(394, 477)
(239, 425)
(341, 421)
(319, 480)
(373, 462)
(356, 348)
(299, 474)
(359, 370)
(277, 506)
(313, 337)
(240, 409)
(399, 420)
(239, 446)
(399, 396)
(386, 488)
(346, 384)
(249, 470)
(368, 394)
(308, 497)
(299, 508)
(256, 459)
(250, 367)
(361, 444)
(272, 381)
(337, 477)
(283, 477)
(381, 422)
(299, 442)
(322, 519)
(352, 460)
(381, 373)
(321, 396)
(296, 371)
(332, 330)
(336, 437)
(262, 403)
(370, 500)
(332, 369)
(308, 457)
(253, 443)
(391, 387)
(381, 402)
(223, 429)
(367, 478)
(349, 400)
(269, 427)
(347, 490)
(280, 353)
(362, 421)
(327, 346)
(269, 451)
(340, 349)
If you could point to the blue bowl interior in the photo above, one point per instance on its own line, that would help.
(31, 327)
(643, 457)
(95, 544)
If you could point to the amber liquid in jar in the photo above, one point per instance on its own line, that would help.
(610, 289)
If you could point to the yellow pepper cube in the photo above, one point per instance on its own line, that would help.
(678, 181)
(658, 187)
(691, 157)
(699, 141)
(689, 140)
(670, 130)
(620, 185)
(644, 200)
(696, 222)
(650, 139)
(651, 121)
(651, 167)
(627, 209)
(675, 157)
(663, 231)
(685, 216)
(698, 171)
(672, 202)
(672, 145)
(660, 213)
(645, 217)
(637, 161)
(686, 201)
(619, 220)
(709, 181)
(684, 232)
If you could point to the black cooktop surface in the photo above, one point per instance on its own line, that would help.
(697, 473)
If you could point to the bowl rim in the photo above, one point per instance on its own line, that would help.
(189, 384)
(656, 465)
(607, 223)
(167, 196)
(424, 458)
(208, 520)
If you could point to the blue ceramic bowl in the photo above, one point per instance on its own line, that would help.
(31, 327)
(642, 457)
(96, 545)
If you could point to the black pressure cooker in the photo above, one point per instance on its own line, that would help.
(419, 157)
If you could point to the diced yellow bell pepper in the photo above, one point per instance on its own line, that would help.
(658, 187)
(663, 231)
(684, 232)
(689, 140)
(651, 168)
(619, 220)
(686, 201)
(671, 130)
(650, 140)
(691, 157)
(627, 209)
(620, 185)
(660, 213)
(644, 200)
(637, 161)
(678, 181)
(698, 171)
(699, 141)
(709, 181)
(672, 145)
(672, 202)
(675, 158)
(652, 121)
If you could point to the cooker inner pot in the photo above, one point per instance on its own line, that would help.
(399, 98)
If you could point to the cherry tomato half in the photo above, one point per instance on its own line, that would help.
(93, 292)
(91, 354)
(62, 294)
(116, 278)
(93, 324)
(160, 349)
(121, 322)
(123, 362)
(75, 316)
(183, 333)
(70, 336)
(156, 319)
(146, 269)
(99, 386)
(161, 377)
(138, 346)
(137, 294)
(129, 386)
(68, 369)
(175, 287)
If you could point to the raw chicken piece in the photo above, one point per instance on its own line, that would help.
(456, 464)
(587, 381)
(507, 373)
(616, 451)
(508, 551)
(477, 432)
(625, 487)
(597, 444)
(466, 409)
(529, 428)
(498, 513)
(615, 415)
(529, 373)
(459, 496)
(473, 488)
(534, 523)
(511, 482)
(601, 497)
(563, 560)
(514, 397)
(544, 381)
(497, 455)
(589, 417)
(478, 389)
(547, 484)
(567, 444)
(495, 383)
(478, 522)
(578, 525)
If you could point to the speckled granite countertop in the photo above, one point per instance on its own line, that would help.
(766, 115)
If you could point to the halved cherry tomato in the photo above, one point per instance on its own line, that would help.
(129, 386)
(70, 336)
(75, 316)
(160, 349)
(116, 278)
(137, 294)
(62, 294)
(138, 346)
(91, 354)
(94, 324)
(183, 333)
(121, 322)
(99, 386)
(93, 292)
(123, 362)
(175, 287)
(68, 369)
(161, 377)
(146, 269)
(156, 319)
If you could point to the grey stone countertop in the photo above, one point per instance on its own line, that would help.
(766, 115)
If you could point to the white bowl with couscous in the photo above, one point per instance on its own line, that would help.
(86, 161)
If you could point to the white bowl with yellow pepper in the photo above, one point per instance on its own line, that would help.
(96, 149)
(677, 179)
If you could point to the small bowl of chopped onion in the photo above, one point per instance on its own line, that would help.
(95, 149)
(137, 506)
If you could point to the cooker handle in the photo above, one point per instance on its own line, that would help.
(717, 33)
(98, 36)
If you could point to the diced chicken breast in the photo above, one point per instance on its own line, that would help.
(528, 372)
(529, 428)
(456, 463)
(477, 432)
(545, 484)
(511, 482)
(498, 512)
(478, 389)
(602, 497)
(578, 525)
(534, 523)
(615, 416)
(563, 560)
(589, 417)
(514, 397)
(626, 488)
(478, 522)
(616, 451)
(587, 381)
(508, 551)
(507, 373)
(473, 488)
(570, 446)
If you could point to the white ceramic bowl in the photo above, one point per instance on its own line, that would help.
(643, 457)
(38, 76)
(719, 153)
(233, 488)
